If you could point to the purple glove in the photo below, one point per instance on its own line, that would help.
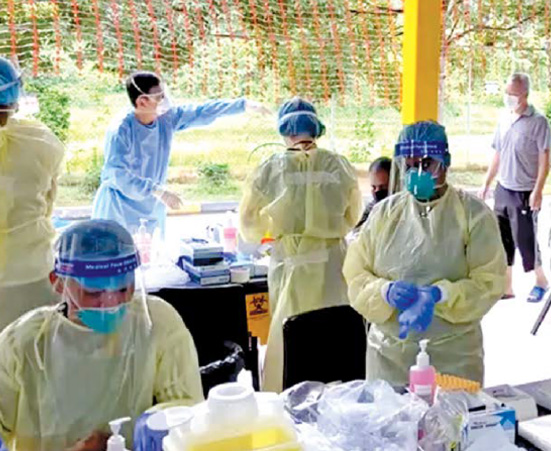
(419, 316)
(401, 295)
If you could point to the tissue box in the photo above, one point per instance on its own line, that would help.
(199, 252)
(481, 422)
(217, 274)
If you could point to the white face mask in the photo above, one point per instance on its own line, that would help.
(511, 102)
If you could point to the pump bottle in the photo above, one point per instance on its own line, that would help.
(116, 442)
(422, 377)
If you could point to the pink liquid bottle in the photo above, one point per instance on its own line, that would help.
(230, 235)
(422, 377)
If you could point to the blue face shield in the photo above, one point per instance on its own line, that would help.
(103, 320)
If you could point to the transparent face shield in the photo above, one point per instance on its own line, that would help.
(157, 102)
(420, 168)
(100, 289)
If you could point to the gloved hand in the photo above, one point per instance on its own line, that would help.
(170, 199)
(419, 316)
(402, 295)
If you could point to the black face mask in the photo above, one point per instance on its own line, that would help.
(380, 195)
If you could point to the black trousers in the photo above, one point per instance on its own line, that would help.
(518, 226)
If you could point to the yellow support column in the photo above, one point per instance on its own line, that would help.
(421, 55)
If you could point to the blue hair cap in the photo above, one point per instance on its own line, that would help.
(299, 117)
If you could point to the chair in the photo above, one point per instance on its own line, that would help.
(324, 345)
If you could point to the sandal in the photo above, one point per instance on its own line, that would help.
(537, 294)
(508, 296)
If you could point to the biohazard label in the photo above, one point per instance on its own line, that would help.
(258, 315)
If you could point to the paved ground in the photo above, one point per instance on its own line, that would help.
(513, 355)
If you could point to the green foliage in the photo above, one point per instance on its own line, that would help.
(548, 110)
(92, 178)
(214, 174)
(364, 137)
(54, 105)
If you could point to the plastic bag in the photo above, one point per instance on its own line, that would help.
(356, 415)
(445, 424)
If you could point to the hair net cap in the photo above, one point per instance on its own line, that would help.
(425, 138)
(299, 117)
(95, 248)
(10, 83)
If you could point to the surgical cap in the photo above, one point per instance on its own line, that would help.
(299, 117)
(10, 83)
(95, 248)
(426, 132)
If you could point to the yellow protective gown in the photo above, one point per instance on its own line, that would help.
(453, 243)
(30, 161)
(307, 201)
(60, 381)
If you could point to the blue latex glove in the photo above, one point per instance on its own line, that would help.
(419, 316)
(402, 295)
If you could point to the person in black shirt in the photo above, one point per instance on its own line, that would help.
(379, 179)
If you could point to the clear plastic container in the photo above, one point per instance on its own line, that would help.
(235, 418)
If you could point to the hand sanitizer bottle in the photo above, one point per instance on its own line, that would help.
(116, 442)
(422, 377)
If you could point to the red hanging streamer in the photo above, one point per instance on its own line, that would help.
(275, 68)
(353, 52)
(480, 27)
(321, 45)
(547, 29)
(156, 45)
(202, 34)
(212, 12)
(11, 25)
(382, 56)
(394, 46)
(189, 38)
(116, 21)
(235, 70)
(258, 38)
(304, 46)
(338, 49)
(57, 33)
(78, 32)
(136, 29)
(36, 46)
(444, 44)
(99, 35)
(289, 47)
(170, 20)
(468, 26)
(367, 44)
(248, 69)
(519, 18)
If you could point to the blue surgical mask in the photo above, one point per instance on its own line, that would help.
(421, 184)
(103, 320)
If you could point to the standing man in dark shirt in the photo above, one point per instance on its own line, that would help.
(379, 179)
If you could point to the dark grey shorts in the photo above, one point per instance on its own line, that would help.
(518, 226)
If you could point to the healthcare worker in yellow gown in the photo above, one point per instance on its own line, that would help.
(30, 161)
(308, 199)
(106, 351)
(427, 264)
